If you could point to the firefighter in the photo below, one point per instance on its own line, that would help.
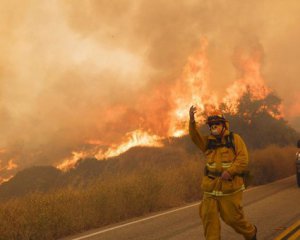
(222, 183)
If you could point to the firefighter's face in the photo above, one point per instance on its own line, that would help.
(216, 128)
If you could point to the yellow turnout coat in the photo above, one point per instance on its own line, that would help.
(235, 161)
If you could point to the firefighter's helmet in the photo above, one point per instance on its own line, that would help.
(216, 118)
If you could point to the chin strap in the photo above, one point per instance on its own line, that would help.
(223, 131)
(221, 134)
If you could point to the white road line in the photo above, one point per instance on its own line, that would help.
(161, 214)
(130, 223)
(137, 221)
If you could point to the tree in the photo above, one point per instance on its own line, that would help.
(259, 121)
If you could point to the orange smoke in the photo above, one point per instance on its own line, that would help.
(294, 110)
(249, 65)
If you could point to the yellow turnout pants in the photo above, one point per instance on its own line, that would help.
(230, 209)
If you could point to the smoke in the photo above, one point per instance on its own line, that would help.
(74, 71)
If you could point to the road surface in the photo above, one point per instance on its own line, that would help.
(273, 208)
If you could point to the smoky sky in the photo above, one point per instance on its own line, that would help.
(76, 70)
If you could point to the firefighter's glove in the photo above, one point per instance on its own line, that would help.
(192, 113)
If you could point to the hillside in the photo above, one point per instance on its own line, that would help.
(257, 121)
(136, 160)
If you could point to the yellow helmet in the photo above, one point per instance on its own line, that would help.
(216, 118)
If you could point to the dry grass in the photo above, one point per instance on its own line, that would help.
(272, 163)
(68, 211)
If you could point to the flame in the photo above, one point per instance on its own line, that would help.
(179, 133)
(135, 138)
(191, 88)
(11, 165)
(8, 167)
(251, 80)
(3, 180)
(70, 162)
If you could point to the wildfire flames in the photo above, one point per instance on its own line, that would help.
(191, 88)
(251, 79)
(132, 139)
(70, 162)
(6, 168)
(136, 138)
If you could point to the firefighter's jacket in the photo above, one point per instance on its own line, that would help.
(235, 161)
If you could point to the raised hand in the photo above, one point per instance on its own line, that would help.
(193, 110)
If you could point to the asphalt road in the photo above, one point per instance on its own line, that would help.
(272, 208)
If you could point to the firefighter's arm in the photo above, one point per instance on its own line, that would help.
(200, 141)
(240, 163)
